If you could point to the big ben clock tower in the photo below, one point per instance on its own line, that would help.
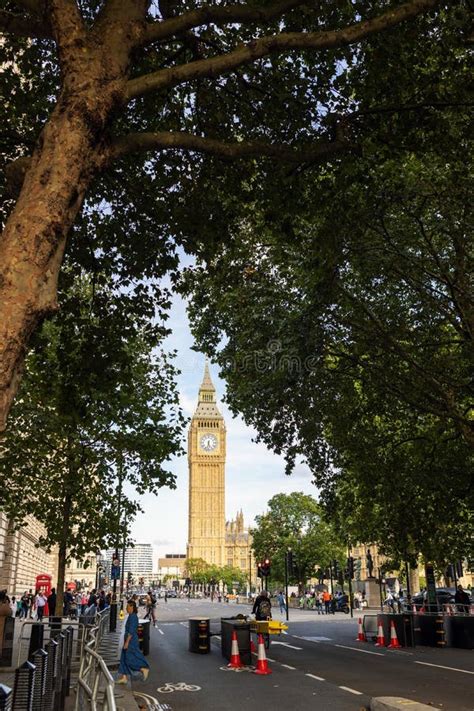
(206, 460)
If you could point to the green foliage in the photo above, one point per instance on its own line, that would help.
(340, 308)
(204, 573)
(296, 521)
(96, 405)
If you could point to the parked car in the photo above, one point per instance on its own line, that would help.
(444, 596)
(172, 593)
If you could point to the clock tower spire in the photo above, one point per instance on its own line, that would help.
(206, 461)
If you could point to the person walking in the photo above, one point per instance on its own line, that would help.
(462, 600)
(25, 603)
(262, 607)
(281, 602)
(166, 595)
(131, 658)
(327, 602)
(52, 602)
(40, 602)
(150, 607)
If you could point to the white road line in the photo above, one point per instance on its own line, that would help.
(351, 691)
(313, 676)
(184, 624)
(290, 646)
(160, 631)
(440, 666)
(287, 666)
(356, 649)
(271, 660)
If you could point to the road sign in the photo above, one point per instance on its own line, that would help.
(115, 569)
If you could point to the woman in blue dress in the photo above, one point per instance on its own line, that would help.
(132, 659)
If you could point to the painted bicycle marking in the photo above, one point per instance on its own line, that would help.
(169, 687)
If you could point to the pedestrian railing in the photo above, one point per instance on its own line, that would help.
(95, 684)
(43, 682)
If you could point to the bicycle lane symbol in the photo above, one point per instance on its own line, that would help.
(169, 687)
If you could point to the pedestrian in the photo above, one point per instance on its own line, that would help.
(166, 595)
(131, 658)
(150, 603)
(31, 602)
(462, 600)
(83, 602)
(281, 602)
(52, 602)
(101, 601)
(5, 611)
(92, 597)
(262, 607)
(25, 603)
(13, 606)
(40, 602)
(327, 602)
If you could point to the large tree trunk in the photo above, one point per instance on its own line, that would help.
(32, 244)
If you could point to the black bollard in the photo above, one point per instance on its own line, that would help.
(6, 698)
(40, 660)
(49, 693)
(23, 687)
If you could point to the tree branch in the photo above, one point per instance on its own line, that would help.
(219, 15)
(185, 141)
(283, 42)
(34, 7)
(23, 26)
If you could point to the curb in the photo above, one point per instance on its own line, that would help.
(396, 703)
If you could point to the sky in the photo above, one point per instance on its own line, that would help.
(253, 474)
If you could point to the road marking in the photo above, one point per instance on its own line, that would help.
(356, 649)
(313, 676)
(287, 666)
(271, 660)
(184, 624)
(169, 687)
(290, 646)
(440, 666)
(160, 631)
(351, 691)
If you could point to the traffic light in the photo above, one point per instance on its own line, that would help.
(459, 569)
(263, 568)
(335, 568)
(350, 567)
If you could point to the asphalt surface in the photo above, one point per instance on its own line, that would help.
(317, 664)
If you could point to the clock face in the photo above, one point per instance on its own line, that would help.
(208, 442)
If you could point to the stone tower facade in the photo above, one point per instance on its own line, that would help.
(206, 460)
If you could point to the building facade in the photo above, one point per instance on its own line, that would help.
(209, 536)
(21, 557)
(138, 562)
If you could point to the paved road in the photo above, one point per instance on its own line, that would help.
(317, 661)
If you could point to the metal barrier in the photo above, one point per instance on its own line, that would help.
(79, 637)
(95, 684)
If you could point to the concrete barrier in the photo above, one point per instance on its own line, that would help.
(396, 703)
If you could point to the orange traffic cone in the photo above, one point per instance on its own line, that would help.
(262, 664)
(380, 638)
(361, 634)
(235, 662)
(394, 643)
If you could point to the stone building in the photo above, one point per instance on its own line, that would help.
(209, 536)
(21, 560)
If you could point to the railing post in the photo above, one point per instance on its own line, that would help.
(58, 687)
(48, 702)
(69, 646)
(6, 698)
(23, 687)
(40, 660)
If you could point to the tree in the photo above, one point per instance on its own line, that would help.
(343, 322)
(197, 570)
(96, 418)
(296, 521)
(90, 85)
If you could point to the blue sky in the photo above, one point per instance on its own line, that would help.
(253, 474)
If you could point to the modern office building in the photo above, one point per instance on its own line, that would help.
(138, 561)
